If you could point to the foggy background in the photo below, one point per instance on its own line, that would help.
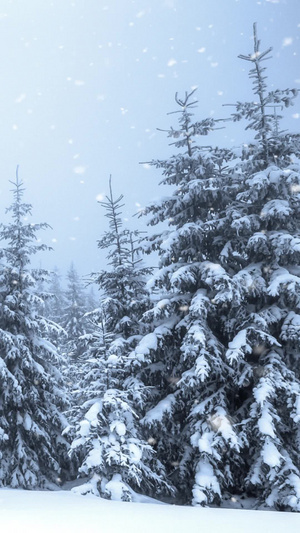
(85, 84)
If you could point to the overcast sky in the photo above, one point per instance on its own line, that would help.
(85, 84)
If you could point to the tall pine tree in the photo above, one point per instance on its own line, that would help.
(262, 339)
(55, 301)
(223, 355)
(73, 314)
(183, 358)
(109, 439)
(32, 397)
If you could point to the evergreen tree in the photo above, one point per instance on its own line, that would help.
(263, 346)
(123, 284)
(109, 438)
(32, 397)
(183, 358)
(73, 316)
(52, 304)
(55, 302)
(223, 356)
(91, 300)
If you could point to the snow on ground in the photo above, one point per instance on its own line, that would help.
(63, 512)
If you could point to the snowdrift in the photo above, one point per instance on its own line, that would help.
(61, 511)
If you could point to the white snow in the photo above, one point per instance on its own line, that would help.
(66, 512)
(220, 423)
(291, 327)
(239, 346)
(112, 359)
(135, 452)
(276, 208)
(118, 427)
(271, 455)
(263, 390)
(92, 413)
(204, 442)
(149, 342)
(94, 458)
(282, 277)
(27, 422)
(265, 424)
(157, 412)
(205, 478)
(84, 428)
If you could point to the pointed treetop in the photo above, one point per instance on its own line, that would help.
(257, 56)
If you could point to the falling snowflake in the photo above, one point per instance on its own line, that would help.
(79, 170)
(20, 98)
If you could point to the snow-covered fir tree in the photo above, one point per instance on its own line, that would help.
(32, 397)
(262, 335)
(73, 316)
(223, 355)
(123, 283)
(52, 305)
(109, 438)
(55, 300)
(183, 359)
(91, 299)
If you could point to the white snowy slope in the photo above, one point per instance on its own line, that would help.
(60, 511)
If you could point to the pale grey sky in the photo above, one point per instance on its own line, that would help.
(85, 84)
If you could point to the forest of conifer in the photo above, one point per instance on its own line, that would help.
(180, 381)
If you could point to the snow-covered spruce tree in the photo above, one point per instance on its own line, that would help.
(32, 451)
(52, 305)
(109, 439)
(55, 301)
(183, 358)
(225, 327)
(73, 316)
(91, 299)
(123, 284)
(261, 256)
